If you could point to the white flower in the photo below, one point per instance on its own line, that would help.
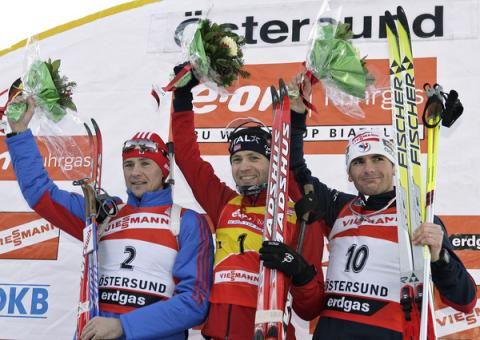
(231, 45)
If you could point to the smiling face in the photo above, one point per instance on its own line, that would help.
(249, 168)
(142, 175)
(372, 174)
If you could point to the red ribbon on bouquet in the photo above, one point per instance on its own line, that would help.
(183, 71)
(313, 81)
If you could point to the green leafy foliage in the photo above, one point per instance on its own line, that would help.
(226, 61)
(344, 32)
(62, 84)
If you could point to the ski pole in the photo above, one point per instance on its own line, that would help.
(287, 314)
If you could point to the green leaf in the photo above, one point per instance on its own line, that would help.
(243, 73)
(222, 62)
(56, 66)
(70, 105)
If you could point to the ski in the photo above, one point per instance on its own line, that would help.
(414, 260)
(272, 283)
(88, 306)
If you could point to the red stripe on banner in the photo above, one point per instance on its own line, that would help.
(45, 250)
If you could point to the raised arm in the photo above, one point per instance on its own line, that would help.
(329, 201)
(210, 192)
(63, 209)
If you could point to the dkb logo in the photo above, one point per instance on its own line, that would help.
(23, 301)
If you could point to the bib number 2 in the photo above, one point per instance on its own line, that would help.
(131, 253)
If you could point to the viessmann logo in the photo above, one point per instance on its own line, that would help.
(327, 131)
(27, 236)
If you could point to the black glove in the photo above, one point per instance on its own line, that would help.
(106, 206)
(277, 255)
(309, 204)
(303, 176)
(182, 100)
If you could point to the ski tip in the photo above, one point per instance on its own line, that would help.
(272, 333)
(283, 87)
(89, 131)
(390, 22)
(275, 98)
(402, 18)
(258, 335)
(95, 126)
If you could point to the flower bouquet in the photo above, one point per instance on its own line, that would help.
(53, 100)
(214, 56)
(53, 93)
(333, 61)
(333, 58)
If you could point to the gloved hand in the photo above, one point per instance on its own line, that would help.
(309, 204)
(277, 255)
(183, 97)
(106, 206)
(193, 81)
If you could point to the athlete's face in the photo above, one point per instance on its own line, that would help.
(372, 174)
(142, 175)
(249, 168)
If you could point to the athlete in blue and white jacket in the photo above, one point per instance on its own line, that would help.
(154, 282)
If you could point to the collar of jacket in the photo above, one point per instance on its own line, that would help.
(151, 198)
(255, 200)
(375, 202)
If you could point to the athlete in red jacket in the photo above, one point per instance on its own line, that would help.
(238, 219)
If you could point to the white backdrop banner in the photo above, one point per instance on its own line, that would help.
(117, 55)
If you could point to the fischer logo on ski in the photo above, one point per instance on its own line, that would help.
(414, 267)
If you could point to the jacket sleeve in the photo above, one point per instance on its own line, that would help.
(193, 273)
(457, 288)
(63, 209)
(330, 201)
(210, 192)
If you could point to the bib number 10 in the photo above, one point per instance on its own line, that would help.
(356, 258)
